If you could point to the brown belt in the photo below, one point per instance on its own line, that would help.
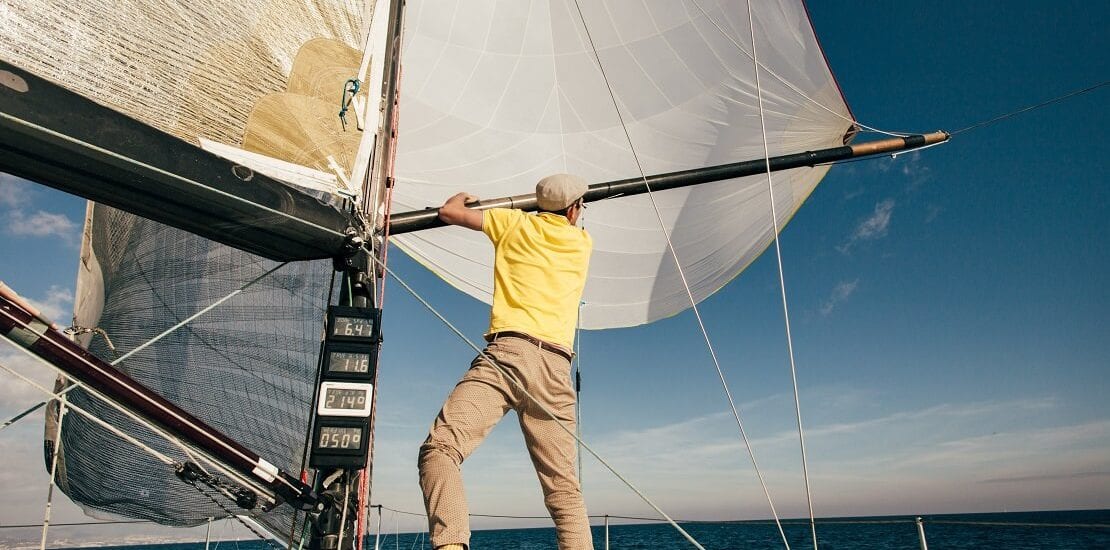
(531, 340)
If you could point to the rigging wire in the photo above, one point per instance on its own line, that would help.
(130, 439)
(578, 387)
(682, 274)
(126, 437)
(134, 416)
(782, 278)
(542, 407)
(1032, 107)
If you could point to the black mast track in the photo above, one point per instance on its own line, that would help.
(60, 139)
(23, 328)
(418, 220)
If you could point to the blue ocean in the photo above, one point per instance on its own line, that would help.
(1067, 530)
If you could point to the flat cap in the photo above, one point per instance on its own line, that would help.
(558, 191)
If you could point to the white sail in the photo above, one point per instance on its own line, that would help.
(245, 79)
(497, 94)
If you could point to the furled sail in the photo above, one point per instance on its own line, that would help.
(497, 94)
(257, 80)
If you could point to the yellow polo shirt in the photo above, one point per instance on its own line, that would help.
(539, 271)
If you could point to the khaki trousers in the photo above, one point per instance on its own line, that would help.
(475, 406)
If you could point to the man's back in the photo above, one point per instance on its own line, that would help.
(539, 273)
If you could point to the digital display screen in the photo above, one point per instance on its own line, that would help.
(345, 361)
(345, 398)
(352, 326)
(340, 437)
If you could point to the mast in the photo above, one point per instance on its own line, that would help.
(344, 481)
(418, 220)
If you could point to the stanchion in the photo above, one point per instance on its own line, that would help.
(921, 534)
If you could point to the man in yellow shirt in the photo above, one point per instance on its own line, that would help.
(539, 272)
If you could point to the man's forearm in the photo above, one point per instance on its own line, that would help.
(455, 212)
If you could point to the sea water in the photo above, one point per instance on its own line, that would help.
(1088, 529)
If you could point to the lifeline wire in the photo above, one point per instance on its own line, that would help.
(542, 407)
(782, 279)
(682, 276)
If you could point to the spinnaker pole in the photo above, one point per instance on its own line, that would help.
(418, 220)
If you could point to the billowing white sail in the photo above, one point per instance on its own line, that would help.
(497, 94)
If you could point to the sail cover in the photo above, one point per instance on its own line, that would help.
(261, 75)
(498, 94)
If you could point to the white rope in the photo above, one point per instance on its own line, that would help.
(782, 279)
(542, 407)
(194, 316)
(137, 418)
(789, 85)
(156, 454)
(685, 283)
(343, 516)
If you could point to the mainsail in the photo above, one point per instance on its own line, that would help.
(497, 95)
(254, 75)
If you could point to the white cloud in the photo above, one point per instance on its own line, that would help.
(840, 293)
(16, 395)
(57, 305)
(41, 224)
(914, 170)
(14, 192)
(871, 228)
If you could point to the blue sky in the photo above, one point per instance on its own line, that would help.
(949, 307)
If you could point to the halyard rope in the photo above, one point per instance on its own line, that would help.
(542, 407)
(682, 276)
(782, 279)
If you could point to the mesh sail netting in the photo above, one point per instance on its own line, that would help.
(247, 368)
(233, 73)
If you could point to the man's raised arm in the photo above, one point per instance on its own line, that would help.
(455, 212)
